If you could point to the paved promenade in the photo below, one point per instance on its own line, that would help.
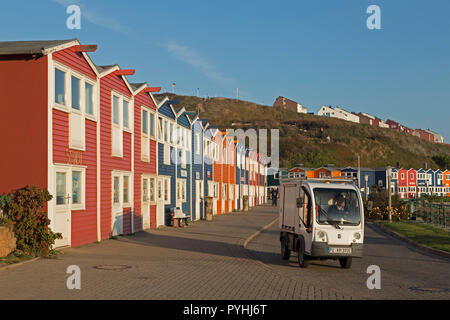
(207, 261)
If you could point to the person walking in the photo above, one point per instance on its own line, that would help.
(274, 197)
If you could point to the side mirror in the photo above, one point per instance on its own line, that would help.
(299, 202)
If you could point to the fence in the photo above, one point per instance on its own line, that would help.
(431, 212)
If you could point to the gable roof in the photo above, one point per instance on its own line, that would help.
(104, 70)
(137, 86)
(40, 47)
(192, 116)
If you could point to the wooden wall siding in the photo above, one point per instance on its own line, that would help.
(75, 61)
(84, 222)
(184, 121)
(141, 167)
(185, 206)
(167, 170)
(23, 88)
(218, 171)
(166, 110)
(197, 167)
(109, 163)
(208, 168)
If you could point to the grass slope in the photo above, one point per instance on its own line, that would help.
(424, 234)
(303, 141)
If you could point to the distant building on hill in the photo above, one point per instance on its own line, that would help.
(430, 136)
(395, 125)
(285, 103)
(338, 113)
(366, 118)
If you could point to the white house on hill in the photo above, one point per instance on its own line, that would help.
(338, 113)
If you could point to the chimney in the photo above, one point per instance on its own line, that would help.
(398, 165)
(425, 166)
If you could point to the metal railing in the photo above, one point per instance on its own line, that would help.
(431, 212)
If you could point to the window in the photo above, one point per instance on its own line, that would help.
(60, 87)
(166, 191)
(121, 121)
(152, 124)
(89, 98)
(75, 93)
(115, 110)
(411, 176)
(60, 188)
(160, 128)
(152, 189)
(403, 176)
(183, 190)
(165, 131)
(126, 189)
(144, 190)
(125, 114)
(76, 187)
(144, 122)
(116, 197)
(159, 190)
(171, 132)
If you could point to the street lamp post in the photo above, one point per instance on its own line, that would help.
(389, 194)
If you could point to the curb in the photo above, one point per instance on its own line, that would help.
(396, 235)
(251, 237)
(13, 265)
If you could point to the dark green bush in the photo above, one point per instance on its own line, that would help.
(31, 222)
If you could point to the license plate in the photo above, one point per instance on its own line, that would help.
(340, 250)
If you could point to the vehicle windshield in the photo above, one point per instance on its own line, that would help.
(337, 206)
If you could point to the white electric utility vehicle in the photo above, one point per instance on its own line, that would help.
(321, 219)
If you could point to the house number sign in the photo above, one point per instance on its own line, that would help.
(74, 157)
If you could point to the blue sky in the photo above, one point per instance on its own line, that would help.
(315, 52)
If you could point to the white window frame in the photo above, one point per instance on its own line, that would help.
(146, 137)
(69, 170)
(120, 125)
(160, 129)
(67, 107)
(121, 175)
(169, 189)
(68, 73)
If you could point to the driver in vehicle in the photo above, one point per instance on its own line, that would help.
(338, 210)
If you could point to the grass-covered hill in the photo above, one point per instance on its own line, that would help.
(302, 140)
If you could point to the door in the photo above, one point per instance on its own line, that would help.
(145, 202)
(62, 219)
(117, 209)
(198, 198)
(160, 202)
(216, 196)
(224, 195)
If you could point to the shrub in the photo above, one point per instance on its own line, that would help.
(25, 210)
(5, 200)
(382, 213)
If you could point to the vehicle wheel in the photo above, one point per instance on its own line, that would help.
(285, 252)
(345, 263)
(302, 260)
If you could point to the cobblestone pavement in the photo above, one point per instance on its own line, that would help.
(207, 261)
(406, 272)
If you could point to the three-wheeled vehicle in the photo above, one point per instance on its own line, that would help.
(321, 219)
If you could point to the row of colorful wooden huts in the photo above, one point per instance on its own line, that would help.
(115, 159)
(407, 183)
